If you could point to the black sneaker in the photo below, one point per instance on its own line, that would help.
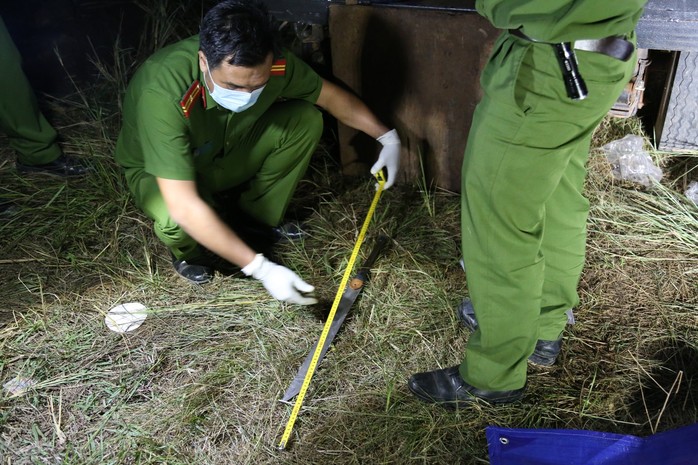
(290, 232)
(63, 166)
(192, 272)
(545, 353)
(258, 235)
(7, 208)
(263, 238)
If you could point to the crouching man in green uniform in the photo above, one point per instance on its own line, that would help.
(31, 136)
(523, 211)
(229, 110)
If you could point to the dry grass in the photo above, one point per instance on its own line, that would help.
(199, 382)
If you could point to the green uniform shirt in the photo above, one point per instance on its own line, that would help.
(563, 20)
(172, 129)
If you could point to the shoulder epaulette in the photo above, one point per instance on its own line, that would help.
(278, 68)
(193, 93)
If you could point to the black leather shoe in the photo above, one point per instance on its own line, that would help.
(197, 274)
(545, 353)
(63, 166)
(446, 388)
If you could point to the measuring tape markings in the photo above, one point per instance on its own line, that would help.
(330, 317)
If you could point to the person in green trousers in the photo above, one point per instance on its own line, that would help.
(523, 210)
(30, 135)
(229, 112)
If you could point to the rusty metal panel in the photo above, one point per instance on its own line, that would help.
(305, 11)
(419, 71)
(669, 25)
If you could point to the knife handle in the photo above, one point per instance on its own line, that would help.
(362, 275)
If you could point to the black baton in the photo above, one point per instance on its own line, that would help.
(574, 83)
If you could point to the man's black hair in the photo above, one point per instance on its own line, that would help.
(239, 32)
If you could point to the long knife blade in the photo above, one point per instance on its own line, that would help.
(350, 294)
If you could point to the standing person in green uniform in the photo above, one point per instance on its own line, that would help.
(523, 211)
(31, 136)
(230, 110)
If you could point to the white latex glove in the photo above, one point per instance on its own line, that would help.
(282, 283)
(389, 157)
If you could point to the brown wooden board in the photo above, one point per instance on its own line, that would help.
(419, 71)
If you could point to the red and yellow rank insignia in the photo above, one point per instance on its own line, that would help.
(195, 91)
(278, 68)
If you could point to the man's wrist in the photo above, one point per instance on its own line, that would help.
(389, 138)
(254, 266)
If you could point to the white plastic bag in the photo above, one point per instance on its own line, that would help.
(19, 385)
(126, 317)
(630, 162)
(692, 192)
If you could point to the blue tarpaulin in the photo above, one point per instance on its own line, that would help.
(511, 446)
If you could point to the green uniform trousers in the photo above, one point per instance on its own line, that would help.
(523, 211)
(265, 165)
(30, 134)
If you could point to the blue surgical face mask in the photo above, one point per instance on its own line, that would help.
(233, 100)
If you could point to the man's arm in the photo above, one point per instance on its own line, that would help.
(351, 111)
(202, 223)
(199, 220)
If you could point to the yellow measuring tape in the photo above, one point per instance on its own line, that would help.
(330, 317)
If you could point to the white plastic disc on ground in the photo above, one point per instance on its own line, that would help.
(126, 317)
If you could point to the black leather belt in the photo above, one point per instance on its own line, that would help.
(613, 46)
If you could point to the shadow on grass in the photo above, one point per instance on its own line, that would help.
(666, 397)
